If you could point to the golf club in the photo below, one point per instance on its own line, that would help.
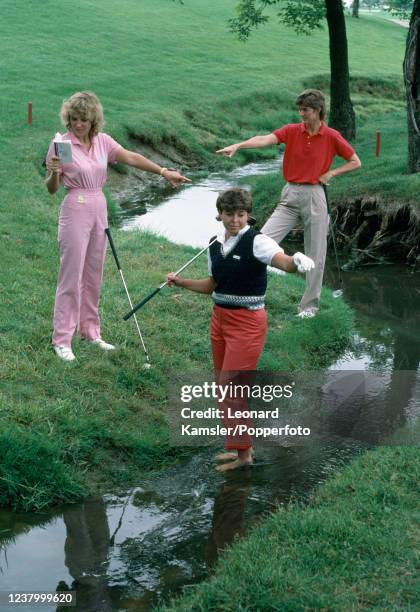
(155, 291)
(147, 364)
(338, 292)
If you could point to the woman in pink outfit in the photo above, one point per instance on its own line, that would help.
(83, 217)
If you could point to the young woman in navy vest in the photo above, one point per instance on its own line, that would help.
(237, 283)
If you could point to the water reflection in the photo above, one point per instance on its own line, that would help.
(171, 531)
(86, 555)
(130, 552)
(188, 217)
(228, 514)
(386, 301)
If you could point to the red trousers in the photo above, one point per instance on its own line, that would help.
(237, 340)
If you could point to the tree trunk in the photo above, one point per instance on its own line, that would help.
(355, 11)
(412, 88)
(342, 116)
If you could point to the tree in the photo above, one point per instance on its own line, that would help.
(412, 87)
(304, 16)
(372, 4)
(400, 8)
(355, 8)
(342, 115)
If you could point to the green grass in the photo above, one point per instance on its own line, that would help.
(354, 547)
(169, 73)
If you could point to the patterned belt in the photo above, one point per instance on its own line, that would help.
(251, 302)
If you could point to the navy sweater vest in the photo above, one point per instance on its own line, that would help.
(239, 272)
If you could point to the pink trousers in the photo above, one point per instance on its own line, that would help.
(82, 240)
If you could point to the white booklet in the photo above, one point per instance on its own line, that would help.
(63, 149)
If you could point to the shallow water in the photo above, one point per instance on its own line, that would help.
(129, 551)
(189, 216)
(126, 552)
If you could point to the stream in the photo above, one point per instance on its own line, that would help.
(134, 550)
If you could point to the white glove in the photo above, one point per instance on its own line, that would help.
(302, 262)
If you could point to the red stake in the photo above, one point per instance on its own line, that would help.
(29, 113)
(378, 142)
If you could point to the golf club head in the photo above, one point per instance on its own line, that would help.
(337, 293)
(147, 366)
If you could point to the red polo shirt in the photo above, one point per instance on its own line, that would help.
(307, 157)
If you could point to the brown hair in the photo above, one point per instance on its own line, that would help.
(234, 199)
(86, 105)
(313, 98)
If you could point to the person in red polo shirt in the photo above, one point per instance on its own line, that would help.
(310, 149)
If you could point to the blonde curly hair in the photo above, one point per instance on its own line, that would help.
(86, 105)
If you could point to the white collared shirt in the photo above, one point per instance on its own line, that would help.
(264, 247)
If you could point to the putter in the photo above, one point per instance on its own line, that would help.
(338, 292)
(155, 291)
(147, 365)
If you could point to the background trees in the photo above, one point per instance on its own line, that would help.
(305, 16)
(412, 88)
(355, 8)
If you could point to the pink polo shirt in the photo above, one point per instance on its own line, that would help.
(307, 157)
(88, 169)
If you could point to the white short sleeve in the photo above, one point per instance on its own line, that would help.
(265, 248)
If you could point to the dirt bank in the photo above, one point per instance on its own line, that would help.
(130, 187)
(368, 233)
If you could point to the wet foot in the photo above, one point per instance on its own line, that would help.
(233, 465)
(226, 456)
(242, 459)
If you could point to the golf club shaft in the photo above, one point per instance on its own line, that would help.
(340, 279)
(114, 252)
(161, 286)
(135, 308)
(113, 249)
(135, 318)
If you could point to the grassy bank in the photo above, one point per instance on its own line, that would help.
(355, 547)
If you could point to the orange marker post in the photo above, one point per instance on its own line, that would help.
(29, 113)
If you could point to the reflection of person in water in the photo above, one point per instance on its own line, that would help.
(228, 515)
(389, 320)
(86, 555)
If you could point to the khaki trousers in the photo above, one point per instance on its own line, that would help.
(306, 204)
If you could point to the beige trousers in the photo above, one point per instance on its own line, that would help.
(306, 204)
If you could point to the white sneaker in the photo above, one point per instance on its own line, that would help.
(64, 352)
(308, 313)
(105, 346)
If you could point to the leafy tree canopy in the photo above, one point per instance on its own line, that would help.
(400, 8)
(302, 15)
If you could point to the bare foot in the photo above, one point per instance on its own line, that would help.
(225, 456)
(244, 457)
(233, 465)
